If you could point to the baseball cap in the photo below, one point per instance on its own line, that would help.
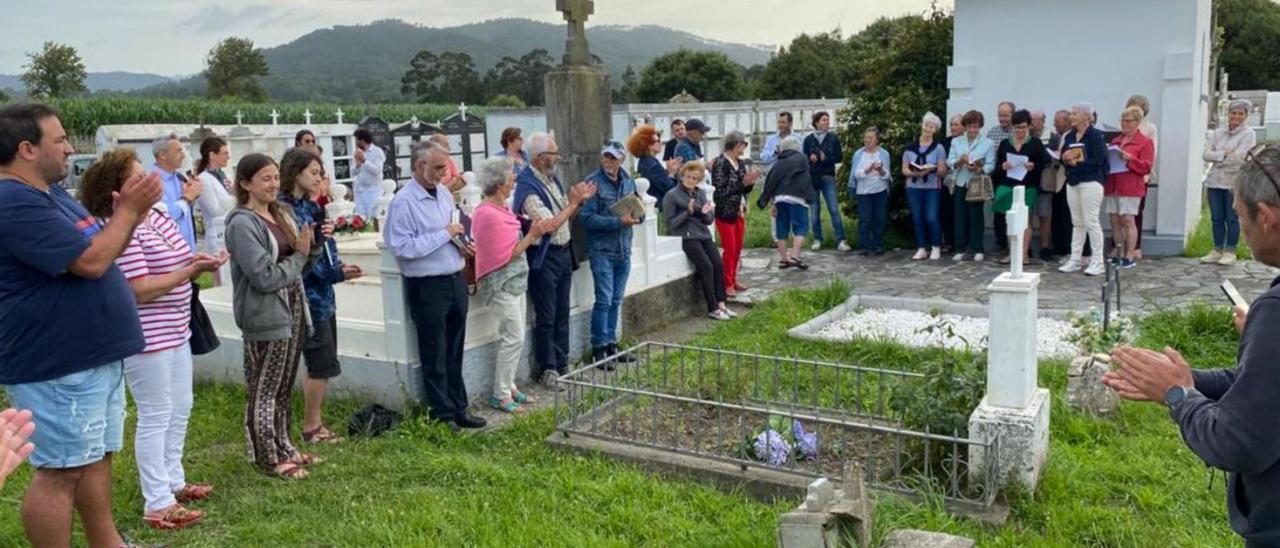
(613, 148)
(695, 124)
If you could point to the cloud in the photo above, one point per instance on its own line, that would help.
(218, 18)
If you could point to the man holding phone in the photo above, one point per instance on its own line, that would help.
(180, 191)
(1227, 416)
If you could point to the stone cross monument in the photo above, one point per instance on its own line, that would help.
(1015, 409)
(576, 13)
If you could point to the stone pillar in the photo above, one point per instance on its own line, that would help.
(401, 338)
(1015, 411)
(579, 108)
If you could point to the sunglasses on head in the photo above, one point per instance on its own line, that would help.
(1253, 156)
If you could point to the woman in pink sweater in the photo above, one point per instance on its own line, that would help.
(502, 274)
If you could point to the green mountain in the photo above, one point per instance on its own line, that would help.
(364, 63)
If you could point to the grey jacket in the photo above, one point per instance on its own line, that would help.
(259, 283)
(788, 177)
(690, 226)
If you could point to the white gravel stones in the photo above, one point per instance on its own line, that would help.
(911, 328)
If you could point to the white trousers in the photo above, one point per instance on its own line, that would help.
(160, 383)
(1085, 201)
(510, 309)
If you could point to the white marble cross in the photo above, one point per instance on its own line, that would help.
(275, 117)
(413, 120)
(339, 114)
(239, 118)
(307, 115)
(463, 109)
(1017, 225)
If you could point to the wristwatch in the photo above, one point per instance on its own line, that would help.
(1175, 395)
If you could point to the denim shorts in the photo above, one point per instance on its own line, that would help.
(791, 219)
(79, 417)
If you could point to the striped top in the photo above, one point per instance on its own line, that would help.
(157, 249)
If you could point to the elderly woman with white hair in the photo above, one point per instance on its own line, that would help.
(1084, 153)
(1226, 150)
(924, 163)
(502, 273)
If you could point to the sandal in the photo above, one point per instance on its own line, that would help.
(506, 406)
(522, 398)
(321, 435)
(289, 470)
(193, 492)
(795, 261)
(173, 517)
(304, 459)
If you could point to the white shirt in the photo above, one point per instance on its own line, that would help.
(369, 173)
(214, 202)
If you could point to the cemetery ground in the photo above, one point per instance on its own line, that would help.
(1122, 481)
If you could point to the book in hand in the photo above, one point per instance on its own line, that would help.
(463, 239)
(630, 204)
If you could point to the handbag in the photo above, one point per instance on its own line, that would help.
(980, 189)
(1052, 179)
(203, 339)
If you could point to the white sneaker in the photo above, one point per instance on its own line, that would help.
(817, 244)
(1070, 266)
(718, 315)
(1228, 258)
(978, 257)
(920, 255)
(1096, 268)
(935, 254)
(844, 246)
(1212, 258)
(958, 257)
(729, 312)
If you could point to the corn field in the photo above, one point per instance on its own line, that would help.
(82, 116)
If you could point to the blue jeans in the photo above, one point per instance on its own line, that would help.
(79, 416)
(610, 278)
(924, 203)
(825, 189)
(1222, 214)
(873, 217)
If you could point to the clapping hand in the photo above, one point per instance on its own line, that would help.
(359, 156)
(708, 208)
(581, 192)
(1145, 375)
(306, 235)
(16, 428)
(204, 262)
(351, 271)
(191, 189)
(751, 177)
(674, 164)
(138, 194)
(540, 228)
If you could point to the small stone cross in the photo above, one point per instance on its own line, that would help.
(307, 116)
(576, 13)
(413, 120)
(339, 114)
(239, 118)
(463, 109)
(1017, 224)
(275, 117)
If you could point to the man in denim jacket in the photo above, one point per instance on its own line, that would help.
(608, 249)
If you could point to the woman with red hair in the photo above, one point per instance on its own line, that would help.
(646, 144)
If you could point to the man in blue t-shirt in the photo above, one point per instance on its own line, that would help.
(67, 319)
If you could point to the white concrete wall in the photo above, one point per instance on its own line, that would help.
(1050, 54)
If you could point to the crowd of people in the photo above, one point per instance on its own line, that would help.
(124, 255)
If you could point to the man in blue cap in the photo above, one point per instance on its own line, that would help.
(608, 249)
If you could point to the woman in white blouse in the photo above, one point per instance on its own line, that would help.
(1226, 150)
(214, 200)
(869, 180)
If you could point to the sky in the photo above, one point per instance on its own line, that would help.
(172, 37)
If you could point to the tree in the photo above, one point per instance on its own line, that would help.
(753, 78)
(450, 77)
(1250, 42)
(902, 74)
(3, 96)
(626, 92)
(811, 67)
(230, 69)
(506, 101)
(521, 77)
(55, 72)
(709, 76)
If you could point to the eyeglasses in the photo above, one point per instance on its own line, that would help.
(1253, 157)
(613, 144)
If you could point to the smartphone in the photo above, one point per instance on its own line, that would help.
(1229, 289)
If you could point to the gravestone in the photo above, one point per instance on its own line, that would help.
(466, 138)
(381, 132)
(1085, 391)
(403, 138)
(579, 101)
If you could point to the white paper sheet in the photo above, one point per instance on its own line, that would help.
(1019, 170)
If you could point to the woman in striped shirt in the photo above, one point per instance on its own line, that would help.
(159, 266)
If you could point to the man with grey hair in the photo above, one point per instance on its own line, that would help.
(1002, 130)
(429, 245)
(1227, 416)
(541, 196)
(180, 190)
(787, 192)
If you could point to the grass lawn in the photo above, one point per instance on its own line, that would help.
(1127, 481)
(1201, 241)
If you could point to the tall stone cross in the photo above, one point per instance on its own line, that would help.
(1017, 225)
(576, 13)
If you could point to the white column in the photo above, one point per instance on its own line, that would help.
(1011, 360)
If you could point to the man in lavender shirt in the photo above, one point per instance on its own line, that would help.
(180, 191)
(421, 230)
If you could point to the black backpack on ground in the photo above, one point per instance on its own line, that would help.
(372, 421)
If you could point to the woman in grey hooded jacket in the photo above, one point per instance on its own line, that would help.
(269, 253)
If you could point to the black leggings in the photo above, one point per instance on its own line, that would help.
(706, 261)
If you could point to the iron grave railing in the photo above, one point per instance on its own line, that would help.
(715, 404)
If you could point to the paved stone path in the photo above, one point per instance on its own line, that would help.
(1155, 283)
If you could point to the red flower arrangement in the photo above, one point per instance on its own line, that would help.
(353, 224)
